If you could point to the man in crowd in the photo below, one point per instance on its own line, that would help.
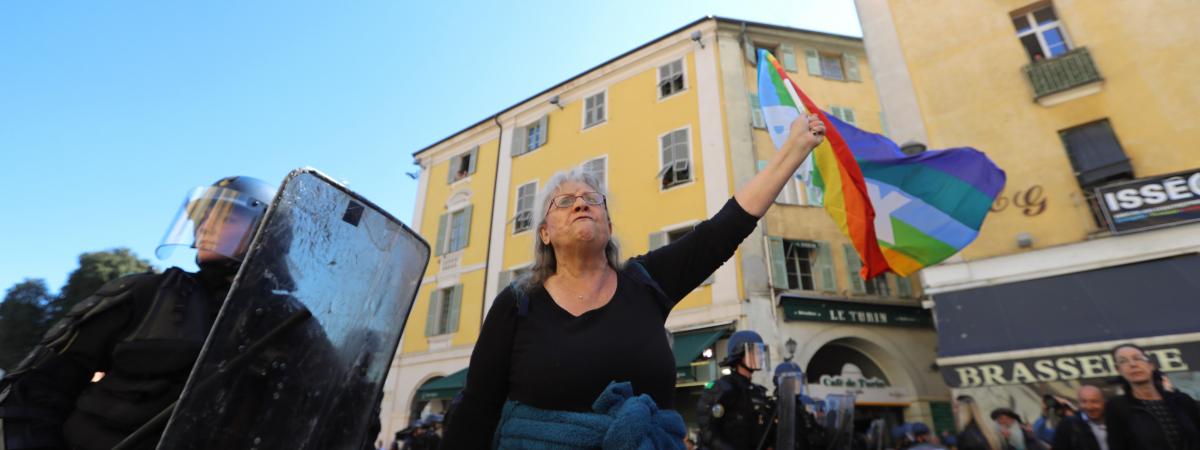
(1084, 431)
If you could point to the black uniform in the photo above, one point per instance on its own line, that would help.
(809, 433)
(735, 414)
(144, 332)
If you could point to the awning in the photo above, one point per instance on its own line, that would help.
(689, 344)
(1061, 327)
(444, 387)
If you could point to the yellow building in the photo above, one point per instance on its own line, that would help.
(1085, 105)
(672, 128)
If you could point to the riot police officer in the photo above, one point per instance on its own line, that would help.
(143, 332)
(735, 413)
(809, 434)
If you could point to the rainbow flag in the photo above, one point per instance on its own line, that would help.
(924, 208)
(831, 167)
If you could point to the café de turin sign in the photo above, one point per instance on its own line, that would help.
(873, 390)
(1149, 203)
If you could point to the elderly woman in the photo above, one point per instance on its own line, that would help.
(1148, 416)
(553, 342)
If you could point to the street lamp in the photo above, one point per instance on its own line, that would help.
(790, 346)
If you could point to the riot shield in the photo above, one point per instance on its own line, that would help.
(299, 351)
(785, 397)
(840, 420)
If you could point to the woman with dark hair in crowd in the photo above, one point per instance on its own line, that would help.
(976, 434)
(1148, 416)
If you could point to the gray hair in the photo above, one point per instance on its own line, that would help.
(545, 263)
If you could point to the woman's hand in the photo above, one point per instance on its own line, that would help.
(806, 134)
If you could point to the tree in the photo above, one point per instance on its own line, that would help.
(96, 269)
(23, 320)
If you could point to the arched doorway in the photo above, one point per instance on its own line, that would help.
(839, 367)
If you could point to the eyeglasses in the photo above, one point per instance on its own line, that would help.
(1125, 362)
(566, 200)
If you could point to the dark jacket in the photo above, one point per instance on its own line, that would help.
(734, 414)
(1074, 433)
(972, 439)
(1131, 427)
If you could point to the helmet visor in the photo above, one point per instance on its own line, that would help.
(755, 356)
(214, 219)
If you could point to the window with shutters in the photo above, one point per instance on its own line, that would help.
(799, 255)
(460, 227)
(757, 120)
(595, 110)
(784, 53)
(597, 169)
(843, 113)
(523, 219)
(675, 158)
(878, 286)
(1040, 32)
(833, 66)
(801, 265)
(1096, 154)
(854, 269)
(530, 137)
(444, 305)
(671, 79)
(463, 165)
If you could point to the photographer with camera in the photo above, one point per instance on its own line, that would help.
(1054, 410)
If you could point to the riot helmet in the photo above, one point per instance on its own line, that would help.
(748, 348)
(789, 372)
(219, 220)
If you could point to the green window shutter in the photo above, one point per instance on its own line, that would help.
(431, 319)
(848, 116)
(658, 239)
(854, 266)
(439, 246)
(823, 268)
(450, 170)
(883, 124)
(519, 145)
(851, 63)
(466, 239)
(756, 114)
(455, 305)
(788, 56)
(778, 262)
(474, 159)
(543, 130)
(813, 59)
(904, 286)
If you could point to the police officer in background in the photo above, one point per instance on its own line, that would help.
(143, 332)
(735, 413)
(809, 433)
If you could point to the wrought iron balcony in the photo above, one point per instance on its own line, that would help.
(1072, 69)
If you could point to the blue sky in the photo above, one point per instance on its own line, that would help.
(111, 111)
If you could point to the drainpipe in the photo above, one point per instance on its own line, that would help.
(491, 219)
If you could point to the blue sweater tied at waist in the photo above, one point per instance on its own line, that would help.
(620, 421)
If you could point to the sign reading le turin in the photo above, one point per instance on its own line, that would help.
(797, 308)
(1078, 366)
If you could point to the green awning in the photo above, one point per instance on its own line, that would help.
(689, 344)
(444, 387)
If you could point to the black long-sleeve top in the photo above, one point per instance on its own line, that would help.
(550, 359)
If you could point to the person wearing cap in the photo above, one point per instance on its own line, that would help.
(1085, 431)
(735, 413)
(1013, 433)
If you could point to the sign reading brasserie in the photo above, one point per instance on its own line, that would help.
(1151, 202)
(1079, 366)
(833, 311)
